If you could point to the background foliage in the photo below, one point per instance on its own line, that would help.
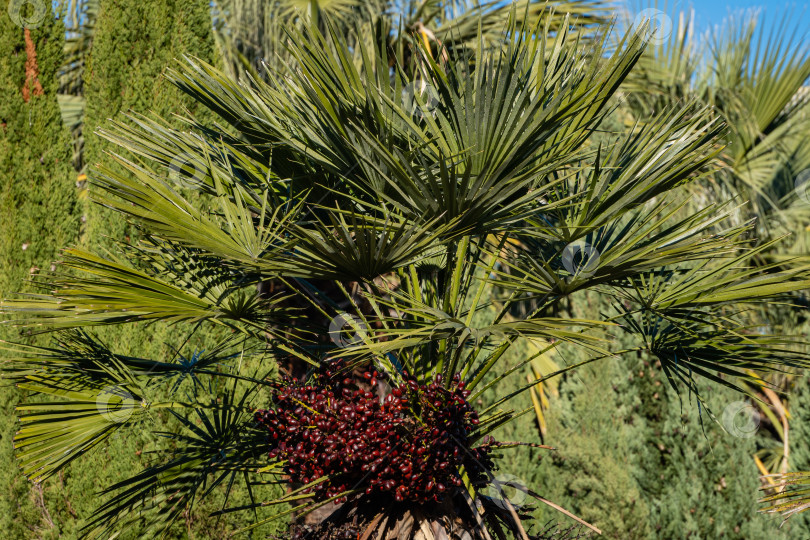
(630, 456)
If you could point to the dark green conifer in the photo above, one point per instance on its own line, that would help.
(135, 42)
(37, 209)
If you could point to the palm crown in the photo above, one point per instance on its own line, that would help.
(402, 192)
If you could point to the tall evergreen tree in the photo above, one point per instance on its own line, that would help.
(37, 190)
(640, 462)
(37, 210)
(592, 471)
(135, 41)
(697, 474)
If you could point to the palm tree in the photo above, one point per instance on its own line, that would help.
(251, 33)
(333, 172)
(754, 75)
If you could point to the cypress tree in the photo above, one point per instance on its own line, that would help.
(588, 473)
(638, 461)
(697, 474)
(37, 188)
(593, 472)
(37, 213)
(135, 41)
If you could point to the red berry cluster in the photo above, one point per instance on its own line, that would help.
(409, 445)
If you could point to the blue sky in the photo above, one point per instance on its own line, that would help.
(712, 12)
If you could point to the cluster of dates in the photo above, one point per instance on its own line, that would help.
(410, 444)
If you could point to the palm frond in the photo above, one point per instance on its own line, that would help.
(218, 445)
(791, 496)
(180, 285)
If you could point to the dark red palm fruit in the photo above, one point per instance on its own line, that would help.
(409, 446)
